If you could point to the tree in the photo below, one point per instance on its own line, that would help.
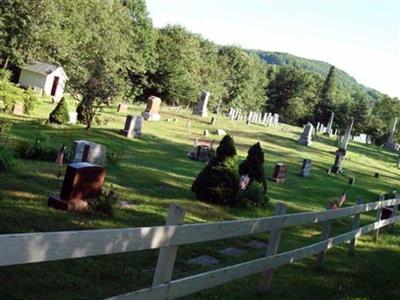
(253, 166)
(327, 101)
(20, 24)
(292, 93)
(60, 114)
(246, 79)
(218, 182)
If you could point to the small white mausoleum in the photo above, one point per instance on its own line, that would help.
(47, 78)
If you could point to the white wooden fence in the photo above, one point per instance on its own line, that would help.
(48, 246)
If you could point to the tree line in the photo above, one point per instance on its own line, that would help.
(111, 52)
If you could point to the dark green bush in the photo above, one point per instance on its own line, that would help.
(218, 182)
(226, 148)
(38, 150)
(60, 113)
(81, 111)
(253, 166)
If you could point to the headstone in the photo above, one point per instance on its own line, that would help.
(201, 109)
(265, 118)
(275, 120)
(362, 138)
(204, 260)
(390, 144)
(221, 132)
(128, 127)
(122, 107)
(85, 151)
(219, 105)
(18, 109)
(328, 130)
(206, 132)
(82, 182)
(212, 122)
(152, 110)
(347, 136)
(73, 117)
(318, 127)
(279, 174)
(137, 129)
(306, 136)
(231, 251)
(269, 118)
(337, 166)
(188, 124)
(305, 168)
(352, 180)
(230, 111)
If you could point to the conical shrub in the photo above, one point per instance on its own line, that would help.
(218, 182)
(60, 113)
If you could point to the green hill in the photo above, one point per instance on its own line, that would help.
(316, 66)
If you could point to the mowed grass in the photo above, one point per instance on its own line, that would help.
(155, 172)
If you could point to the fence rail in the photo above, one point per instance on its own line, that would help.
(39, 247)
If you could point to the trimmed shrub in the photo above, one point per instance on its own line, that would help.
(218, 182)
(80, 110)
(253, 166)
(60, 113)
(226, 148)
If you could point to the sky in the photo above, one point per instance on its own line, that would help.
(359, 37)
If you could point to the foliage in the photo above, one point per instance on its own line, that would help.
(38, 150)
(6, 159)
(293, 94)
(60, 114)
(10, 94)
(254, 195)
(31, 100)
(218, 182)
(253, 166)
(226, 148)
(104, 203)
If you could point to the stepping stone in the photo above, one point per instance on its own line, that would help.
(232, 252)
(204, 260)
(257, 244)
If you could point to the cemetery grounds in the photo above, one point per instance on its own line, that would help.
(156, 172)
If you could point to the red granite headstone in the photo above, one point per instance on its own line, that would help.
(279, 174)
(82, 182)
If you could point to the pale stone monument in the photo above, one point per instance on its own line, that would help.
(347, 136)
(306, 136)
(328, 130)
(201, 109)
(305, 168)
(85, 151)
(137, 129)
(73, 117)
(151, 112)
(390, 144)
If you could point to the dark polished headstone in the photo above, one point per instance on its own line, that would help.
(82, 182)
(279, 174)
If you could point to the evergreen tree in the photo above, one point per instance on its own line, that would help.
(218, 182)
(60, 113)
(253, 166)
(327, 98)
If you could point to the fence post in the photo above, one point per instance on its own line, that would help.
(356, 224)
(167, 255)
(395, 210)
(326, 228)
(272, 249)
(375, 233)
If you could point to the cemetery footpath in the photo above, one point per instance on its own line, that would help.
(155, 173)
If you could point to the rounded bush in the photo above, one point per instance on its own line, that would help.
(60, 113)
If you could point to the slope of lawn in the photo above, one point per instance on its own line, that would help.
(155, 172)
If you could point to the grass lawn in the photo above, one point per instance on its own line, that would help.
(155, 172)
